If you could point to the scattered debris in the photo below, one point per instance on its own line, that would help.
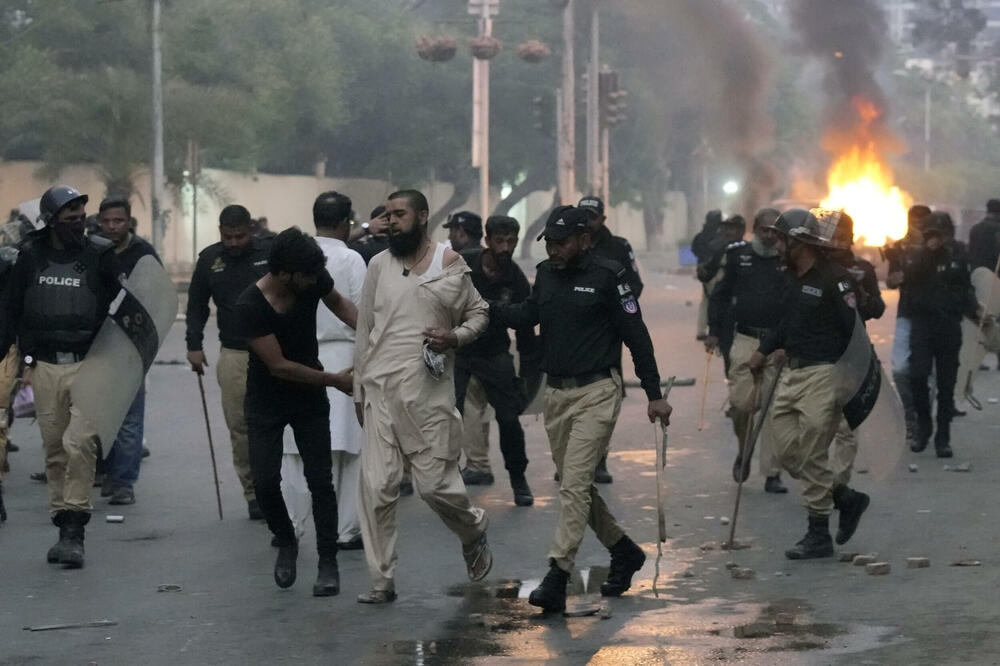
(847, 557)
(913, 467)
(993, 401)
(861, 470)
(784, 619)
(508, 589)
(582, 609)
(743, 573)
(605, 612)
(964, 467)
(477, 619)
(724, 520)
(688, 573)
(779, 574)
(709, 545)
(917, 562)
(731, 565)
(877, 568)
(73, 625)
(709, 517)
(735, 545)
(114, 519)
(169, 587)
(966, 563)
(923, 510)
(863, 560)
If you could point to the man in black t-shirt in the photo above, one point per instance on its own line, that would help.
(286, 386)
(121, 465)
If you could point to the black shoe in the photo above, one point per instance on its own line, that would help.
(122, 495)
(740, 474)
(550, 595)
(626, 559)
(942, 440)
(284, 566)
(145, 452)
(328, 578)
(38, 476)
(107, 490)
(72, 553)
(522, 493)
(354, 544)
(816, 543)
(253, 510)
(405, 488)
(851, 504)
(56, 552)
(774, 485)
(922, 436)
(12, 447)
(556, 477)
(601, 474)
(473, 478)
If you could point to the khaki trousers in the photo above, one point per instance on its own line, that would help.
(69, 441)
(476, 417)
(843, 451)
(8, 375)
(804, 420)
(231, 372)
(579, 423)
(741, 386)
(436, 480)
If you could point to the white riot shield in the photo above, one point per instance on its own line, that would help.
(124, 349)
(977, 341)
(870, 404)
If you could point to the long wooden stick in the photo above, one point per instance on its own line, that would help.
(660, 442)
(211, 445)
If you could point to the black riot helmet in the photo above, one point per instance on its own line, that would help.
(55, 199)
(791, 219)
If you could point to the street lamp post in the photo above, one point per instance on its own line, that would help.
(485, 10)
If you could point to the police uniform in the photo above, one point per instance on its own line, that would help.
(489, 360)
(56, 301)
(370, 245)
(941, 294)
(9, 366)
(221, 277)
(749, 300)
(585, 311)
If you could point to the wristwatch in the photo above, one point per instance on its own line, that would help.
(366, 227)
(29, 360)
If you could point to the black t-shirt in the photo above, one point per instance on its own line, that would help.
(136, 250)
(296, 334)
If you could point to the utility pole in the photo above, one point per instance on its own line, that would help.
(927, 128)
(485, 10)
(566, 153)
(156, 171)
(192, 174)
(595, 170)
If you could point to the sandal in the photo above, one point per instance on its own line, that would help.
(478, 558)
(377, 596)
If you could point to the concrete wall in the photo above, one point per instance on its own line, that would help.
(287, 201)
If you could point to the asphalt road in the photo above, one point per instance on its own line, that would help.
(225, 608)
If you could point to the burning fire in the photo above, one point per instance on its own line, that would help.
(860, 182)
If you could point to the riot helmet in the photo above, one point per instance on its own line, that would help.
(55, 199)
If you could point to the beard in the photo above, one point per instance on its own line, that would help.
(404, 243)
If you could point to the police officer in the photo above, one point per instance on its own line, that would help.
(746, 305)
(706, 244)
(58, 296)
(814, 333)
(617, 249)
(498, 278)
(942, 293)
(709, 272)
(586, 309)
(122, 461)
(371, 237)
(465, 230)
(224, 270)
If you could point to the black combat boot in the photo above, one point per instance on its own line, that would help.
(328, 578)
(522, 493)
(601, 474)
(851, 504)
(923, 434)
(550, 595)
(774, 485)
(626, 559)
(56, 552)
(942, 438)
(284, 566)
(816, 543)
(740, 473)
(72, 555)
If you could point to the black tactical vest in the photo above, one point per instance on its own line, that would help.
(61, 302)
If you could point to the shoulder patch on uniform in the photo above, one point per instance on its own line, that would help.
(624, 289)
(843, 286)
(630, 305)
(811, 290)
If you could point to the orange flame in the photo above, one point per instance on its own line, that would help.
(861, 183)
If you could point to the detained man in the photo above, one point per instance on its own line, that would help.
(286, 386)
(418, 304)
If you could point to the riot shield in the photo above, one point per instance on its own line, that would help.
(124, 349)
(976, 341)
(870, 404)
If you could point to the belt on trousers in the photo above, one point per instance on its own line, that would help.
(752, 331)
(59, 358)
(798, 363)
(577, 381)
